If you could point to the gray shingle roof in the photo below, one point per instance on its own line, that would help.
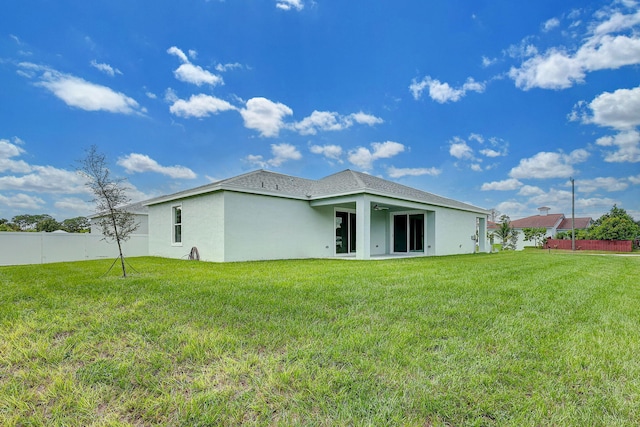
(341, 183)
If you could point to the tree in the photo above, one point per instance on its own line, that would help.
(79, 224)
(42, 222)
(5, 225)
(110, 198)
(617, 224)
(48, 224)
(506, 233)
(535, 235)
(580, 234)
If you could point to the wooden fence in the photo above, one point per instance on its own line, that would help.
(591, 245)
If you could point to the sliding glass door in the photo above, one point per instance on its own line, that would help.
(345, 227)
(408, 233)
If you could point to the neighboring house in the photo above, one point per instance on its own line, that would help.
(140, 212)
(266, 215)
(579, 224)
(552, 222)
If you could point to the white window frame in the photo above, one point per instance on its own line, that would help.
(175, 224)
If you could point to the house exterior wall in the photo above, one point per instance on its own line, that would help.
(551, 231)
(380, 232)
(453, 231)
(236, 226)
(202, 227)
(260, 227)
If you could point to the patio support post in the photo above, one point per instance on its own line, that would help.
(482, 235)
(363, 227)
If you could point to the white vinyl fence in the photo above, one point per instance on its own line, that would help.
(44, 248)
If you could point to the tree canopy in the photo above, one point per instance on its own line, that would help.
(616, 224)
(44, 222)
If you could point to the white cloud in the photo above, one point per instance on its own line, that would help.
(395, 172)
(289, 4)
(512, 208)
(332, 121)
(195, 74)
(552, 198)
(365, 119)
(634, 179)
(45, 179)
(333, 152)
(487, 62)
(549, 165)
(627, 146)
(105, 68)
(459, 149)
(560, 68)
(222, 68)
(476, 137)
(604, 183)
(443, 92)
(265, 116)
(22, 201)
(170, 95)
(530, 190)
(488, 152)
(190, 73)
(550, 24)
(256, 160)
(200, 106)
(320, 120)
(281, 153)
(364, 158)
(619, 110)
(139, 163)
(7, 152)
(506, 185)
(74, 204)
(79, 93)
(179, 53)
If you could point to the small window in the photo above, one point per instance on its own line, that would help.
(177, 224)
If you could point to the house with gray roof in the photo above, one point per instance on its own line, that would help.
(266, 215)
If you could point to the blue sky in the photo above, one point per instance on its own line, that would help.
(493, 103)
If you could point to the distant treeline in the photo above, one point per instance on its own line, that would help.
(45, 222)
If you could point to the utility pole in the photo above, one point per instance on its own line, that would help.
(573, 214)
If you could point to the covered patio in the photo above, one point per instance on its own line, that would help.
(370, 226)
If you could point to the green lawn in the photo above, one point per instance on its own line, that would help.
(509, 339)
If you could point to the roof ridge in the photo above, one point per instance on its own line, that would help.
(356, 176)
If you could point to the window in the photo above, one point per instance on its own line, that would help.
(177, 224)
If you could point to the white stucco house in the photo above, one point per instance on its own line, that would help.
(553, 223)
(264, 215)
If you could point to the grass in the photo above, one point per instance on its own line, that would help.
(509, 339)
